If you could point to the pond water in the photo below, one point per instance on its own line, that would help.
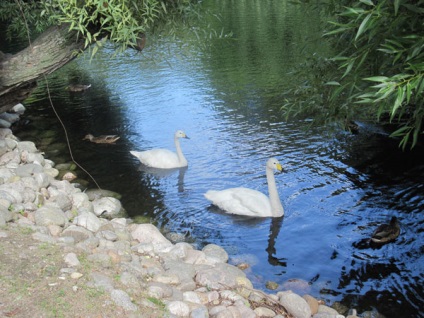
(336, 187)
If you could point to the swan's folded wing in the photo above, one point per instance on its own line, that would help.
(242, 201)
(158, 158)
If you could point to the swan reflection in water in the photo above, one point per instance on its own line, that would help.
(163, 173)
(274, 229)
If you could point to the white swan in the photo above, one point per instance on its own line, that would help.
(164, 158)
(243, 201)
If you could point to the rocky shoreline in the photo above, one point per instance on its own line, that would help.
(139, 272)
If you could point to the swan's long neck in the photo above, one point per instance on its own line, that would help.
(181, 158)
(274, 198)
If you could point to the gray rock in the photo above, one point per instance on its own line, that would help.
(101, 259)
(29, 182)
(201, 312)
(195, 257)
(71, 260)
(184, 271)
(10, 157)
(27, 145)
(179, 250)
(78, 233)
(80, 200)
(327, 315)
(96, 194)
(2, 220)
(295, 304)
(89, 244)
(4, 123)
(42, 179)
(18, 109)
(107, 206)
(5, 215)
(129, 280)
(122, 299)
(31, 157)
(264, 312)
(43, 238)
(10, 117)
(101, 282)
(107, 235)
(64, 186)
(192, 297)
(11, 192)
(327, 310)
(230, 295)
(11, 143)
(167, 278)
(3, 147)
(5, 173)
(221, 276)
(246, 312)
(214, 311)
(215, 254)
(228, 312)
(178, 308)
(60, 198)
(148, 233)
(47, 215)
(5, 132)
(89, 221)
(159, 290)
(52, 172)
(28, 170)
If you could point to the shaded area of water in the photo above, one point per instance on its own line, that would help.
(336, 188)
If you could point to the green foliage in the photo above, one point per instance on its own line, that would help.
(121, 22)
(17, 15)
(383, 61)
(378, 72)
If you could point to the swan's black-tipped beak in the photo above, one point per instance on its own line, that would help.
(186, 137)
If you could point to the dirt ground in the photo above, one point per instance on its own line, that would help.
(32, 284)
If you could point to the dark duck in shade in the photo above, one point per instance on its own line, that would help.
(386, 233)
(103, 139)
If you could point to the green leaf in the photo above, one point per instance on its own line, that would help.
(396, 5)
(333, 83)
(368, 2)
(399, 100)
(380, 79)
(362, 28)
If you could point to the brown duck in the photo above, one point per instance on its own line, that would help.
(386, 233)
(102, 139)
(78, 87)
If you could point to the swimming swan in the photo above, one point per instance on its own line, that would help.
(164, 158)
(244, 201)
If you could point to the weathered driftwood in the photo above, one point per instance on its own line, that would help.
(19, 72)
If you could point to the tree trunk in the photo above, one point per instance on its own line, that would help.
(19, 72)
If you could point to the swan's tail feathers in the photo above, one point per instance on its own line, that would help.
(136, 154)
(210, 195)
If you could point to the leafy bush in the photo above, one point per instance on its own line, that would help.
(378, 72)
(386, 48)
(121, 22)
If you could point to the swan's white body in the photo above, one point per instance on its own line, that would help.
(244, 201)
(164, 158)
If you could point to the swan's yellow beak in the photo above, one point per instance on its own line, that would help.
(279, 167)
